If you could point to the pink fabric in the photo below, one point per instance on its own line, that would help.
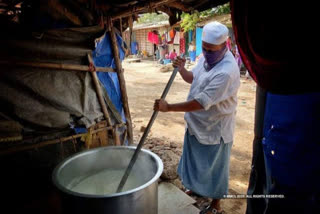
(229, 44)
(173, 55)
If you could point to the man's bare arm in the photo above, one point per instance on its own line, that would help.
(186, 75)
(163, 106)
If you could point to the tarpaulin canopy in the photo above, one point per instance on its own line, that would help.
(42, 98)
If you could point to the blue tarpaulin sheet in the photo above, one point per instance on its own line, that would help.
(103, 57)
(134, 47)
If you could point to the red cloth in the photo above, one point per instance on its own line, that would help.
(182, 46)
(273, 62)
(153, 38)
(150, 37)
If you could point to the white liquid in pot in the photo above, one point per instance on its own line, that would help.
(104, 182)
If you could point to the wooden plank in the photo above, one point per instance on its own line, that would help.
(117, 137)
(38, 145)
(59, 10)
(122, 82)
(180, 6)
(59, 140)
(133, 60)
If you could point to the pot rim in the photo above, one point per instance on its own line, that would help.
(60, 166)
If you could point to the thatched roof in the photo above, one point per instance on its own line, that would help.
(80, 13)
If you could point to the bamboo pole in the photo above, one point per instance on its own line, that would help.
(59, 140)
(101, 100)
(122, 82)
(42, 144)
(9, 139)
(59, 66)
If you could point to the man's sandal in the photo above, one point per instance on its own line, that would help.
(188, 192)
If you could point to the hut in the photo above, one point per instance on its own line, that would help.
(139, 38)
(148, 38)
(62, 87)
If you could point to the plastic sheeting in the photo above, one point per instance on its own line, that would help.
(42, 98)
(103, 57)
(134, 48)
(46, 99)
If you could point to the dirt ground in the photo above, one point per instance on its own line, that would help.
(145, 83)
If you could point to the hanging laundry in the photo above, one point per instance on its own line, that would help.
(163, 39)
(150, 36)
(172, 34)
(182, 46)
(153, 38)
(176, 38)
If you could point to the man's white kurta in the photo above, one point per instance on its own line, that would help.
(216, 90)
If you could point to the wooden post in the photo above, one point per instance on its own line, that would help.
(130, 33)
(122, 82)
(121, 27)
(122, 44)
(102, 102)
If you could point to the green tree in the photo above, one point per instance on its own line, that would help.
(189, 21)
(222, 9)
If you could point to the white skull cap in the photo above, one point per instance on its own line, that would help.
(215, 33)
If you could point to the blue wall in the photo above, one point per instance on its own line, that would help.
(198, 41)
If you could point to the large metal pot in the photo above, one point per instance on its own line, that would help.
(140, 200)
